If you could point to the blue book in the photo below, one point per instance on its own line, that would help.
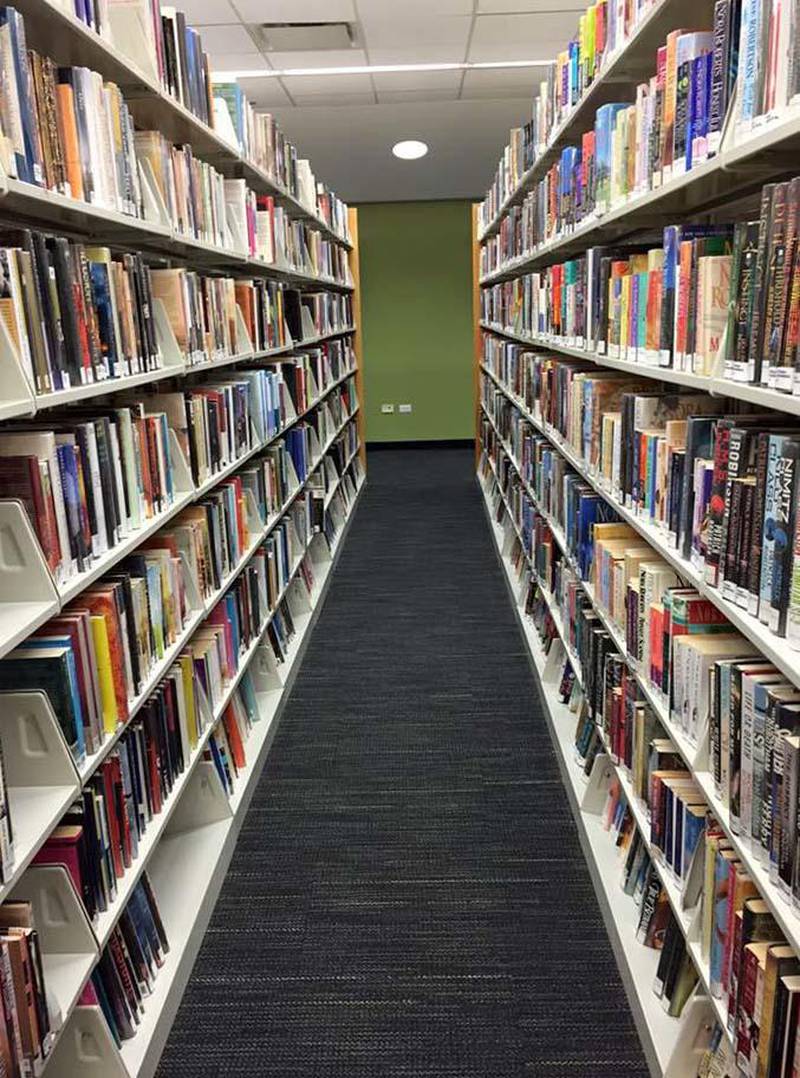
(720, 922)
(28, 165)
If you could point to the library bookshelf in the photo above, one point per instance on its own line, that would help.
(722, 187)
(187, 844)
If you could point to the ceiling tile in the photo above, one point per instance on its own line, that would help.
(318, 58)
(265, 93)
(295, 10)
(494, 84)
(510, 7)
(231, 37)
(417, 54)
(388, 96)
(388, 33)
(208, 12)
(333, 85)
(521, 37)
(237, 61)
(314, 101)
(417, 80)
(409, 11)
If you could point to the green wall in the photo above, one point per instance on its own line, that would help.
(416, 301)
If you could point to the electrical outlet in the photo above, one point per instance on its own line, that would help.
(387, 409)
(405, 408)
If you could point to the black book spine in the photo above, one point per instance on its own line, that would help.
(754, 564)
(761, 285)
(718, 103)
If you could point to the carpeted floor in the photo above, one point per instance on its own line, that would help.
(408, 897)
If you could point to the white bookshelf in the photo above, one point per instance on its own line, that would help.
(669, 1042)
(187, 846)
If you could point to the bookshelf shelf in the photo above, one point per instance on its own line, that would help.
(187, 856)
(660, 1032)
(773, 647)
(622, 69)
(186, 845)
(787, 916)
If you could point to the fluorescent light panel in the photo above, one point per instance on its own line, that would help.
(372, 69)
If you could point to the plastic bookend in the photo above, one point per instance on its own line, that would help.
(264, 672)
(255, 525)
(24, 574)
(291, 411)
(288, 339)
(60, 916)
(697, 1025)
(181, 472)
(554, 661)
(298, 598)
(155, 209)
(244, 344)
(223, 124)
(238, 242)
(319, 550)
(291, 471)
(16, 392)
(594, 796)
(86, 1048)
(312, 389)
(509, 535)
(258, 431)
(203, 705)
(313, 441)
(194, 599)
(34, 750)
(203, 801)
(307, 323)
(130, 34)
(168, 346)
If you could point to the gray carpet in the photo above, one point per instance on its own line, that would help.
(408, 897)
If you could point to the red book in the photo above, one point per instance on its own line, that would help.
(20, 477)
(112, 818)
(234, 737)
(62, 848)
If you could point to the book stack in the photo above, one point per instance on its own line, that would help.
(94, 660)
(64, 128)
(227, 745)
(196, 197)
(129, 964)
(26, 1022)
(88, 485)
(76, 314)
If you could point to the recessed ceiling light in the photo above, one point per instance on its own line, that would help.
(410, 149)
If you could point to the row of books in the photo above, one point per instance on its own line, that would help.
(261, 141)
(603, 29)
(720, 490)
(717, 690)
(79, 315)
(129, 963)
(674, 123)
(744, 951)
(100, 651)
(631, 149)
(711, 299)
(90, 483)
(98, 839)
(27, 1022)
(67, 130)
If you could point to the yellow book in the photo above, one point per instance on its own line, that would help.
(105, 672)
(192, 710)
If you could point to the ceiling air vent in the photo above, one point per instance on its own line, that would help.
(302, 36)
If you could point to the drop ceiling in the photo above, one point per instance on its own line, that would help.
(346, 124)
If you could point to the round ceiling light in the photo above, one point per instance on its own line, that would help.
(410, 149)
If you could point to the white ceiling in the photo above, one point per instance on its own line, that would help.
(347, 124)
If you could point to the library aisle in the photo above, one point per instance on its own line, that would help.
(408, 895)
